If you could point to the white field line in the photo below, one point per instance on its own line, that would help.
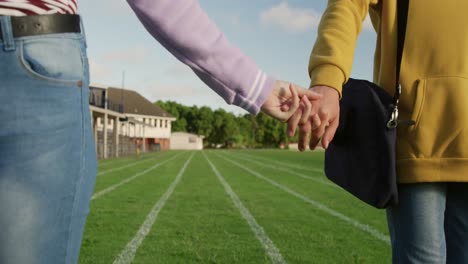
(282, 163)
(316, 179)
(127, 180)
(266, 242)
(125, 166)
(128, 254)
(366, 228)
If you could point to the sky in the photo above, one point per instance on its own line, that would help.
(278, 35)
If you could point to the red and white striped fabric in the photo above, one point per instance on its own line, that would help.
(37, 7)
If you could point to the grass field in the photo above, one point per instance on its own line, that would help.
(237, 206)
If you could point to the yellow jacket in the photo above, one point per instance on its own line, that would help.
(434, 77)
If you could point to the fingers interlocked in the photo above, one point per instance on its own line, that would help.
(317, 121)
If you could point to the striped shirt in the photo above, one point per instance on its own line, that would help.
(37, 7)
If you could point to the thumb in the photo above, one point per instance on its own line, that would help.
(295, 101)
(285, 110)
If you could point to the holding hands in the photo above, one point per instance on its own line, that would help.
(315, 111)
(288, 100)
(328, 114)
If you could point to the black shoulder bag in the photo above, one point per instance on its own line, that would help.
(361, 156)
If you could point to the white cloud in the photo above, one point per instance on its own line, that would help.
(132, 55)
(290, 19)
(98, 71)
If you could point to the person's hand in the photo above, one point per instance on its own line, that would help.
(285, 100)
(323, 125)
(329, 114)
(306, 120)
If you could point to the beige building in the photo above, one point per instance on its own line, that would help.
(151, 123)
(186, 141)
(130, 120)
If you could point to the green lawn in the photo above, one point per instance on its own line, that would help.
(163, 212)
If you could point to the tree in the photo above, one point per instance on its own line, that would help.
(222, 128)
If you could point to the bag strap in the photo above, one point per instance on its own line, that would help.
(402, 12)
(402, 18)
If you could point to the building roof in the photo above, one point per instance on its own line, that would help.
(134, 103)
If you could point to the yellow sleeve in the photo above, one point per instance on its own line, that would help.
(332, 56)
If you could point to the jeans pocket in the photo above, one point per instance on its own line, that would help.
(53, 59)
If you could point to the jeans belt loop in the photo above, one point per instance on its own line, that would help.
(7, 34)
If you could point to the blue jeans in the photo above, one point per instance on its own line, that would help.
(47, 156)
(430, 225)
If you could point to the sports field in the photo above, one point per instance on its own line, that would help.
(236, 206)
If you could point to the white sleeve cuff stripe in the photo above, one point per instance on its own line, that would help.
(254, 85)
(255, 91)
(259, 88)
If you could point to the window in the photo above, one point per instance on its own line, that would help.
(165, 123)
(192, 140)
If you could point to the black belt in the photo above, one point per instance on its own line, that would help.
(23, 26)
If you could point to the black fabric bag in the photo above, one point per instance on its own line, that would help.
(361, 156)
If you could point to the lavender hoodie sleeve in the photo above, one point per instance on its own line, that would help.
(186, 31)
